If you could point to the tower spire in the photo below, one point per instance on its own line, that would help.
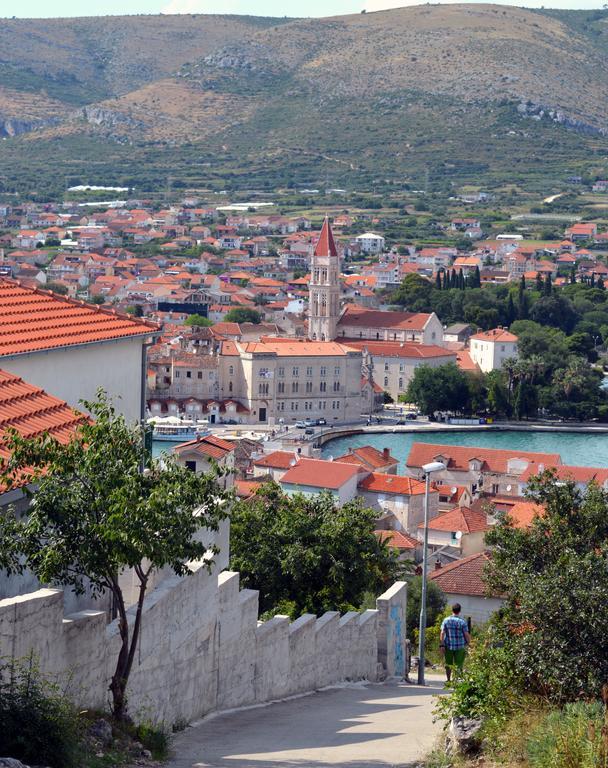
(324, 288)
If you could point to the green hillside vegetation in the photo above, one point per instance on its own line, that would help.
(424, 95)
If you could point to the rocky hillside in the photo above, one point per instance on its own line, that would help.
(453, 85)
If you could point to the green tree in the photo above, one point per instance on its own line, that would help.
(414, 293)
(308, 554)
(243, 315)
(445, 388)
(198, 321)
(555, 581)
(436, 602)
(103, 504)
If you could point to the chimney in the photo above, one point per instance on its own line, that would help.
(437, 565)
(386, 454)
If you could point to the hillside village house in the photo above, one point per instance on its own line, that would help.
(490, 349)
(375, 325)
(370, 243)
(398, 500)
(462, 529)
(72, 349)
(493, 471)
(394, 363)
(312, 476)
(199, 455)
(463, 582)
(371, 458)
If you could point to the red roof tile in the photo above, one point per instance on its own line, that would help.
(459, 519)
(326, 245)
(316, 473)
(397, 540)
(464, 577)
(210, 446)
(32, 320)
(384, 483)
(493, 459)
(396, 349)
(375, 318)
(368, 457)
(276, 460)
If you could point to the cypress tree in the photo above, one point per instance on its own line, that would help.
(573, 274)
(600, 283)
(438, 281)
(548, 286)
(461, 284)
(539, 282)
(593, 279)
(510, 310)
(477, 278)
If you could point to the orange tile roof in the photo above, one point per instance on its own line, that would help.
(32, 320)
(376, 318)
(460, 519)
(385, 483)
(402, 350)
(246, 488)
(522, 513)
(492, 459)
(316, 473)
(496, 334)
(326, 245)
(397, 540)
(276, 460)
(293, 347)
(210, 446)
(368, 456)
(464, 577)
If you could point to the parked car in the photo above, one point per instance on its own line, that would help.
(321, 422)
(411, 416)
(309, 431)
(301, 424)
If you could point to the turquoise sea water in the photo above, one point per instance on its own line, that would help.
(579, 449)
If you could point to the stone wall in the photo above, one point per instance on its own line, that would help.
(202, 647)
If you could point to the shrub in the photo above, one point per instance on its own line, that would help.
(37, 724)
(569, 738)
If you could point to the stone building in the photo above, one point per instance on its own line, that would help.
(324, 288)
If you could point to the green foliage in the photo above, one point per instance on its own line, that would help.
(307, 554)
(555, 578)
(243, 315)
(445, 388)
(571, 737)
(198, 321)
(102, 504)
(435, 605)
(153, 738)
(37, 723)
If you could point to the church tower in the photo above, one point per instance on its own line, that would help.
(324, 288)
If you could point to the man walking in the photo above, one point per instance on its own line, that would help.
(453, 641)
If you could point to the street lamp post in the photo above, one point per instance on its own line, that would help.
(427, 469)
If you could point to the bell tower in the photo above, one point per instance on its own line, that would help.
(324, 288)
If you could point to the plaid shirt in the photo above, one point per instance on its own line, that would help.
(453, 629)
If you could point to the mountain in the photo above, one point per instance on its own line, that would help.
(452, 91)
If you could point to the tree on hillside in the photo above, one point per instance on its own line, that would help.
(243, 315)
(308, 554)
(414, 293)
(198, 321)
(445, 388)
(103, 505)
(555, 581)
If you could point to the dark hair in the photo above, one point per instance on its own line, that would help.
(456, 608)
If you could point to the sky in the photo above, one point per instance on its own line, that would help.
(45, 8)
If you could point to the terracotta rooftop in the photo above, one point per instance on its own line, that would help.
(460, 519)
(326, 245)
(316, 473)
(32, 320)
(522, 513)
(492, 459)
(496, 335)
(464, 577)
(368, 457)
(376, 318)
(396, 349)
(209, 446)
(397, 540)
(385, 483)
(276, 460)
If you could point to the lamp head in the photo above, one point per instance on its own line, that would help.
(433, 466)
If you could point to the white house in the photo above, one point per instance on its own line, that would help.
(72, 349)
(370, 242)
(312, 476)
(489, 349)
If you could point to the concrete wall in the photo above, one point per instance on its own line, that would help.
(74, 373)
(202, 647)
(479, 609)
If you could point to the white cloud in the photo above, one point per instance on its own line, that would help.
(185, 6)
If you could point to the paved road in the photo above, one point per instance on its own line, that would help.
(361, 726)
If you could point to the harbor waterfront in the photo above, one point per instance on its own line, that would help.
(589, 449)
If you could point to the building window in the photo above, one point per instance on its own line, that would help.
(263, 373)
(336, 386)
(323, 386)
(191, 465)
(338, 404)
(386, 366)
(295, 371)
(199, 375)
(386, 381)
(281, 372)
(400, 383)
(309, 370)
(401, 367)
(308, 387)
(281, 387)
(294, 386)
(229, 386)
(188, 374)
(323, 371)
(337, 370)
(177, 374)
(231, 370)
(211, 375)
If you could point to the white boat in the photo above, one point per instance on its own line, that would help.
(173, 429)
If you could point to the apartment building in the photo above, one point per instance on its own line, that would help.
(489, 349)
